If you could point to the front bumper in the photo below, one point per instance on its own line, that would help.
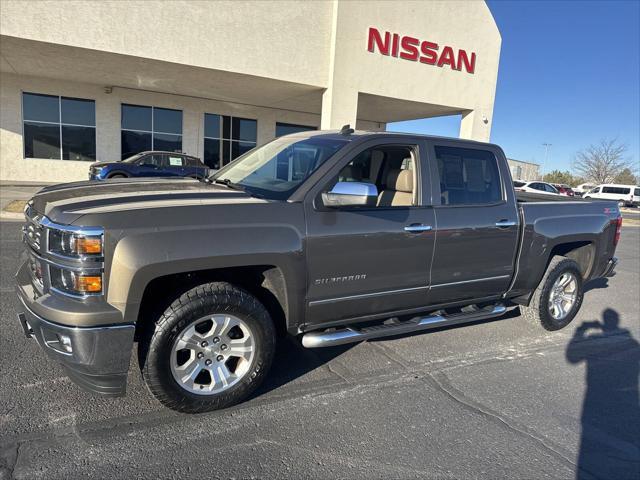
(99, 356)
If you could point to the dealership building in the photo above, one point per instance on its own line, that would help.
(84, 81)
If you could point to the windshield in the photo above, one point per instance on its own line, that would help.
(133, 158)
(276, 169)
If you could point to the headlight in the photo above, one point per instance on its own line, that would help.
(75, 283)
(74, 244)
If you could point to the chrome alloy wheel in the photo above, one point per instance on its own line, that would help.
(212, 354)
(563, 295)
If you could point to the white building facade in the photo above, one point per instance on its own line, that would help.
(85, 81)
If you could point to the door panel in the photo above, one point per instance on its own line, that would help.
(151, 165)
(477, 224)
(362, 261)
(175, 165)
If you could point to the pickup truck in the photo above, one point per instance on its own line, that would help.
(331, 237)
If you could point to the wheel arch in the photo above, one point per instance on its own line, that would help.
(583, 252)
(266, 282)
(117, 172)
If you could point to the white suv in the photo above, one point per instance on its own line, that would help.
(625, 195)
(535, 187)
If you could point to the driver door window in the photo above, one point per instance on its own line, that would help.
(390, 169)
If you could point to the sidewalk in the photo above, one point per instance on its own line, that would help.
(10, 191)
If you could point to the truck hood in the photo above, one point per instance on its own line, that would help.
(66, 202)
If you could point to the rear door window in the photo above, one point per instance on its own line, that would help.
(175, 161)
(468, 176)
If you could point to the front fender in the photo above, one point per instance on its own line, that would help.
(140, 258)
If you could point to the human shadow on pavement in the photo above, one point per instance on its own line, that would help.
(610, 436)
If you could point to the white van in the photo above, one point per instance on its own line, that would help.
(625, 195)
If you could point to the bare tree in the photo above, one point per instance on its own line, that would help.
(602, 162)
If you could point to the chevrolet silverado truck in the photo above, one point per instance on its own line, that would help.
(331, 237)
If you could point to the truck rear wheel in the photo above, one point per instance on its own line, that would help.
(210, 349)
(558, 297)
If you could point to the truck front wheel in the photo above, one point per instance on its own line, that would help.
(210, 349)
(558, 297)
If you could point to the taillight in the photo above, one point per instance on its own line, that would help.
(616, 238)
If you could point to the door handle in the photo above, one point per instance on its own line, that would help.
(417, 228)
(505, 223)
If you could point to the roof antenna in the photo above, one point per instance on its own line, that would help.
(346, 130)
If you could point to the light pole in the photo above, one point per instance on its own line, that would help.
(546, 153)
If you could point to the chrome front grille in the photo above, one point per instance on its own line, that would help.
(42, 261)
(33, 229)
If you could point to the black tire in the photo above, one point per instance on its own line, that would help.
(117, 175)
(538, 310)
(208, 299)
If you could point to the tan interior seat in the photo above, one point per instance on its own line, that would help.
(399, 189)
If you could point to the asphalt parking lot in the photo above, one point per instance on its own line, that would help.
(498, 399)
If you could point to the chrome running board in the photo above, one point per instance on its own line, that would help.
(332, 337)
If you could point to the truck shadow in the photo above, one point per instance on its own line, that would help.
(598, 283)
(293, 361)
(610, 434)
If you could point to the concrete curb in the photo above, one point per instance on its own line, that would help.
(11, 216)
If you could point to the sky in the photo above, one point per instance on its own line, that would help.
(569, 76)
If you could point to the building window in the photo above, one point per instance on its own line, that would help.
(288, 128)
(226, 138)
(150, 128)
(58, 128)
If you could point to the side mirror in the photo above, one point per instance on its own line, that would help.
(351, 194)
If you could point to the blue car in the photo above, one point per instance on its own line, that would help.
(150, 164)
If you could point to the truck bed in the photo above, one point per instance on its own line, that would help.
(547, 220)
(528, 197)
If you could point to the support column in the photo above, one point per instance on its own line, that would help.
(266, 127)
(339, 107)
(475, 126)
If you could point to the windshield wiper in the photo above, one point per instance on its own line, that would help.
(236, 186)
(228, 183)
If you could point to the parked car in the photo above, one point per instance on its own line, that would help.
(150, 164)
(535, 187)
(289, 238)
(583, 188)
(563, 189)
(625, 195)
